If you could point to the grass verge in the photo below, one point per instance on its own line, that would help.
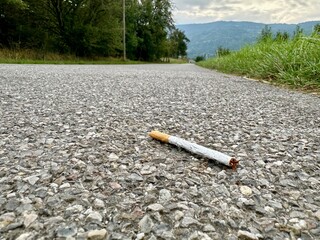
(294, 63)
(27, 56)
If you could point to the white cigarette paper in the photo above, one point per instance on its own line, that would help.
(196, 148)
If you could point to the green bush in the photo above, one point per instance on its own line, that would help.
(199, 58)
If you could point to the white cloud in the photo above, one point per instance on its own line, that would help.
(271, 11)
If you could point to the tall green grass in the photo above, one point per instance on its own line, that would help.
(294, 62)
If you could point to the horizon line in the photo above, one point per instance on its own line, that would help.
(245, 21)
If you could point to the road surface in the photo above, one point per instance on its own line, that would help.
(76, 161)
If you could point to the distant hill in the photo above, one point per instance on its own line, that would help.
(207, 37)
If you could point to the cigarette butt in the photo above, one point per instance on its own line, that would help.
(196, 149)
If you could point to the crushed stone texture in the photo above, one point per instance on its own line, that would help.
(76, 161)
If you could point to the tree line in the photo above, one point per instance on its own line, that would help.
(268, 35)
(89, 28)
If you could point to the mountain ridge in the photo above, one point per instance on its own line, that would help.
(205, 38)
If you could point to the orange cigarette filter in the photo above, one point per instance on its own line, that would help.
(160, 136)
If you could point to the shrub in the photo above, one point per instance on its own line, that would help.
(199, 58)
(220, 52)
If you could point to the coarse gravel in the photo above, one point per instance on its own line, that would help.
(76, 161)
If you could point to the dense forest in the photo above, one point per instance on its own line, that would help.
(89, 28)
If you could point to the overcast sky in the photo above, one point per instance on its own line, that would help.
(264, 11)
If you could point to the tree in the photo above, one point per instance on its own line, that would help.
(265, 35)
(281, 36)
(10, 21)
(298, 32)
(178, 43)
(316, 29)
(153, 24)
(199, 58)
(85, 27)
(89, 27)
(132, 38)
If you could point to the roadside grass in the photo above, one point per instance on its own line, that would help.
(29, 56)
(178, 60)
(294, 63)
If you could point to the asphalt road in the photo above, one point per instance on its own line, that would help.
(76, 160)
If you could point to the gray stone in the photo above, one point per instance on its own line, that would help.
(260, 163)
(306, 236)
(222, 174)
(2, 200)
(187, 221)
(118, 236)
(178, 215)
(152, 237)
(146, 170)
(249, 203)
(164, 195)
(297, 214)
(74, 209)
(146, 224)
(199, 235)
(64, 185)
(275, 204)
(12, 204)
(140, 236)
(115, 185)
(245, 235)
(208, 228)
(299, 225)
(24, 208)
(97, 234)
(66, 231)
(232, 237)
(135, 178)
(315, 231)
(26, 236)
(163, 231)
(245, 190)
(98, 203)
(156, 207)
(53, 221)
(41, 192)
(32, 180)
(94, 217)
(317, 215)
(53, 201)
(12, 226)
(29, 219)
(6, 219)
(113, 157)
